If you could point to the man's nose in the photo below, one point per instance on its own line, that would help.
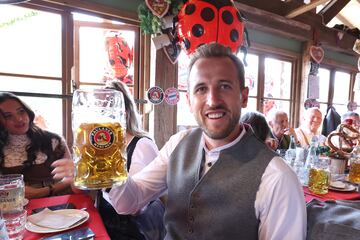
(213, 97)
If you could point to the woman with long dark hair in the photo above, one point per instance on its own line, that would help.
(27, 149)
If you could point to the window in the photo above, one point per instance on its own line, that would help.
(46, 52)
(334, 89)
(105, 51)
(269, 79)
(31, 61)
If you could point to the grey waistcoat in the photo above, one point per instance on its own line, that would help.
(220, 205)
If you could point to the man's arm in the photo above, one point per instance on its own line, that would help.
(146, 185)
(280, 204)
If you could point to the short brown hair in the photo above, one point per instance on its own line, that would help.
(219, 51)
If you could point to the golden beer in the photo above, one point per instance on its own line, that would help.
(99, 155)
(319, 181)
(354, 173)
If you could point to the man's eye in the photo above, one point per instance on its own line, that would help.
(200, 90)
(225, 86)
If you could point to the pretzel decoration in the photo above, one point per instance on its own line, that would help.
(347, 134)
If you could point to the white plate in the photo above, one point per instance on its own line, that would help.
(347, 188)
(76, 212)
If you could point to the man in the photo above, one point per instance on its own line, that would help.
(351, 118)
(279, 124)
(309, 127)
(221, 181)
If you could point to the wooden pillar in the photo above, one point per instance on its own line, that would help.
(164, 114)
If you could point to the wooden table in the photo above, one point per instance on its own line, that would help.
(80, 201)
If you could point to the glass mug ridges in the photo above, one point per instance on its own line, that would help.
(99, 165)
(354, 173)
(11, 193)
(319, 181)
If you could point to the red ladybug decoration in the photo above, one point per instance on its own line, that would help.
(120, 55)
(205, 21)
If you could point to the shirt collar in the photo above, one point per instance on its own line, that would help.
(218, 149)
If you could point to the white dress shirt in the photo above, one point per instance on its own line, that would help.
(279, 204)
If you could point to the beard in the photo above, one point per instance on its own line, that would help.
(219, 133)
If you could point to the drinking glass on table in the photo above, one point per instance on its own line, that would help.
(319, 176)
(99, 127)
(11, 204)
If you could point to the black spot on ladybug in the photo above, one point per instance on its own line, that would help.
(123, 60)
(190, 9)
(197, 30)
(227, 17)
(187, 43)
(219, 3)
(112, 62)
(207, 14)
(234, 35)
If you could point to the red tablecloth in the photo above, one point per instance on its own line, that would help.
(331, 195)
(80, 201)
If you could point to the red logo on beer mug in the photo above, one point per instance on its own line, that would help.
(101, 137)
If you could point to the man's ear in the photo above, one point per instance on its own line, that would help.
(189, 101)
(244, 97)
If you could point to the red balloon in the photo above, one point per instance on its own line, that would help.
(120, 55)
(205, 21)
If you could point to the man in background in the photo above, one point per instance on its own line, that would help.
(279, 123)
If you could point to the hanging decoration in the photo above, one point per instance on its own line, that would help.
(202, 22)
(120, 56)
(188, 24)
(172, 96)
(158, 7)
(317, 53)
(310, 103)
(351, 106)
(155, 95)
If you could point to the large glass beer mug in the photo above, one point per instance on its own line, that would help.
(99, 126)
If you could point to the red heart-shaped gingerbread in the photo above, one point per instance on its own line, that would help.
(317, 54)
(158, 7)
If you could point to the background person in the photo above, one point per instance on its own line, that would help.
(309, 127)
(258, 123)
(279, 123)
(27, 149)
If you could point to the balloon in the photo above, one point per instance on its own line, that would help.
(120, 55)
(205, 21)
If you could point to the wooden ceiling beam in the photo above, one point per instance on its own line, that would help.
(262, 20)
(331, 11)
(305, 8)
(300, 28)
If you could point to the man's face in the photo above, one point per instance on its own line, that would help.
(14, 117)
(280, 124)
(215, 97)
(313, 120)
(355, 121)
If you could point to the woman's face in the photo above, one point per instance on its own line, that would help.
(14, 117)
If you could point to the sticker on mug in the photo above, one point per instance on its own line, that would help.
(172, 96)
(155, 95)
(101, 137)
